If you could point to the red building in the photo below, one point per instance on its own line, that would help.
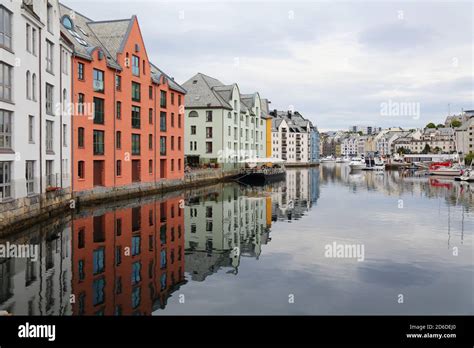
(127, 125)
(128, 261)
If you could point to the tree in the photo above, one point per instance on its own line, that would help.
(437, 149)
(426, 150)
(468, 159)
(431, 125)
(440, 125)
(455, 123)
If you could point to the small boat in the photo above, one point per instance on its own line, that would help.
(357, 164)
(445, 169)
(327, 159)
(342, 160)
(262, 171)
(467, 175)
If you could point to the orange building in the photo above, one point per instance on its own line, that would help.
(128, 261)
(127, 125)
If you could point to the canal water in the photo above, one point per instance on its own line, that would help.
(324, 242)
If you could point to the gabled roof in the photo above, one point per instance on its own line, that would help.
(201, 92)
(113, 34)
(157, 73)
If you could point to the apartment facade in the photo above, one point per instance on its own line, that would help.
(223, 126)
(294, 138)
(465, 137)
(35, 88)
(128, 127)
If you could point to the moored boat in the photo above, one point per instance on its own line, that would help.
(357, 163)
(262, 171)
(445, 169)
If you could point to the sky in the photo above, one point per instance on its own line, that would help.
(339, 63)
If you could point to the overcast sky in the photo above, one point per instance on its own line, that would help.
(335, 62)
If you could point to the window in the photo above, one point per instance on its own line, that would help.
(64, 135)
(179, 100)
(135, 144)
(163, 146)
(65, 60)
(209, 116)
(6, 72)
(136, 297)
(150, 116)
(172, 119)
(135, 117)
(49, 56)
(150, 167)
(136, 245)
(81, 169)
(144, 65)
(119, 168)
(33, 41)
(5, 180)
(208, 147)
(31, 129)
(179, 168)
(80, 104)
(193, 130)
(33, 88)
(163, 121)
(28, 37)
(135, 65)
(5, 129)
(118, 82)
(49, 136)
(193, 114)
(150, 141)
(98, 81)
(172, 143)
(136, 268)
(49, 18)
(163, 99)
(98, 111)
(49, 99)
(150, 92)
(30, 177)
(80, 71)
(179, 143)
(98, 142)
(118, 140)
(80, 137)
(135, 91)
(179, 120)
(5, 28)
(119, 110)
(172, 164)
(208, 132)
(28, 85)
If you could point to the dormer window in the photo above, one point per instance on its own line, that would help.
(67, 23)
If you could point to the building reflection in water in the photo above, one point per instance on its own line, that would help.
(128, 258)
(128, 261)
(40, 287)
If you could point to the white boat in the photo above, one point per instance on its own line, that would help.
(357, 163)
(342, 160)
(327, 159)
(445, 169)
(467, 175)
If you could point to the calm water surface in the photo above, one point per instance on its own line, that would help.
(229, 249)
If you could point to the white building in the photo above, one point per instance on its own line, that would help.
(35, 88)
(291, 137)
(222, 125)
(465, 137)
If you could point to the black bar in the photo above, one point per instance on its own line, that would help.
(244, 329)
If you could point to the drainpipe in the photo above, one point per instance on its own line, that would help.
(72, 126)
(61, 100)
(40, 103)
(115, 132)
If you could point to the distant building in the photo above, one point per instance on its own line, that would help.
(365, 129)
(465, 137)
(294, 138)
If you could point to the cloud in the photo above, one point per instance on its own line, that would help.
(335, 62)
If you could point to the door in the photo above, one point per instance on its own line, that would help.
(98, 173)
(163, 168)
(135, 170)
